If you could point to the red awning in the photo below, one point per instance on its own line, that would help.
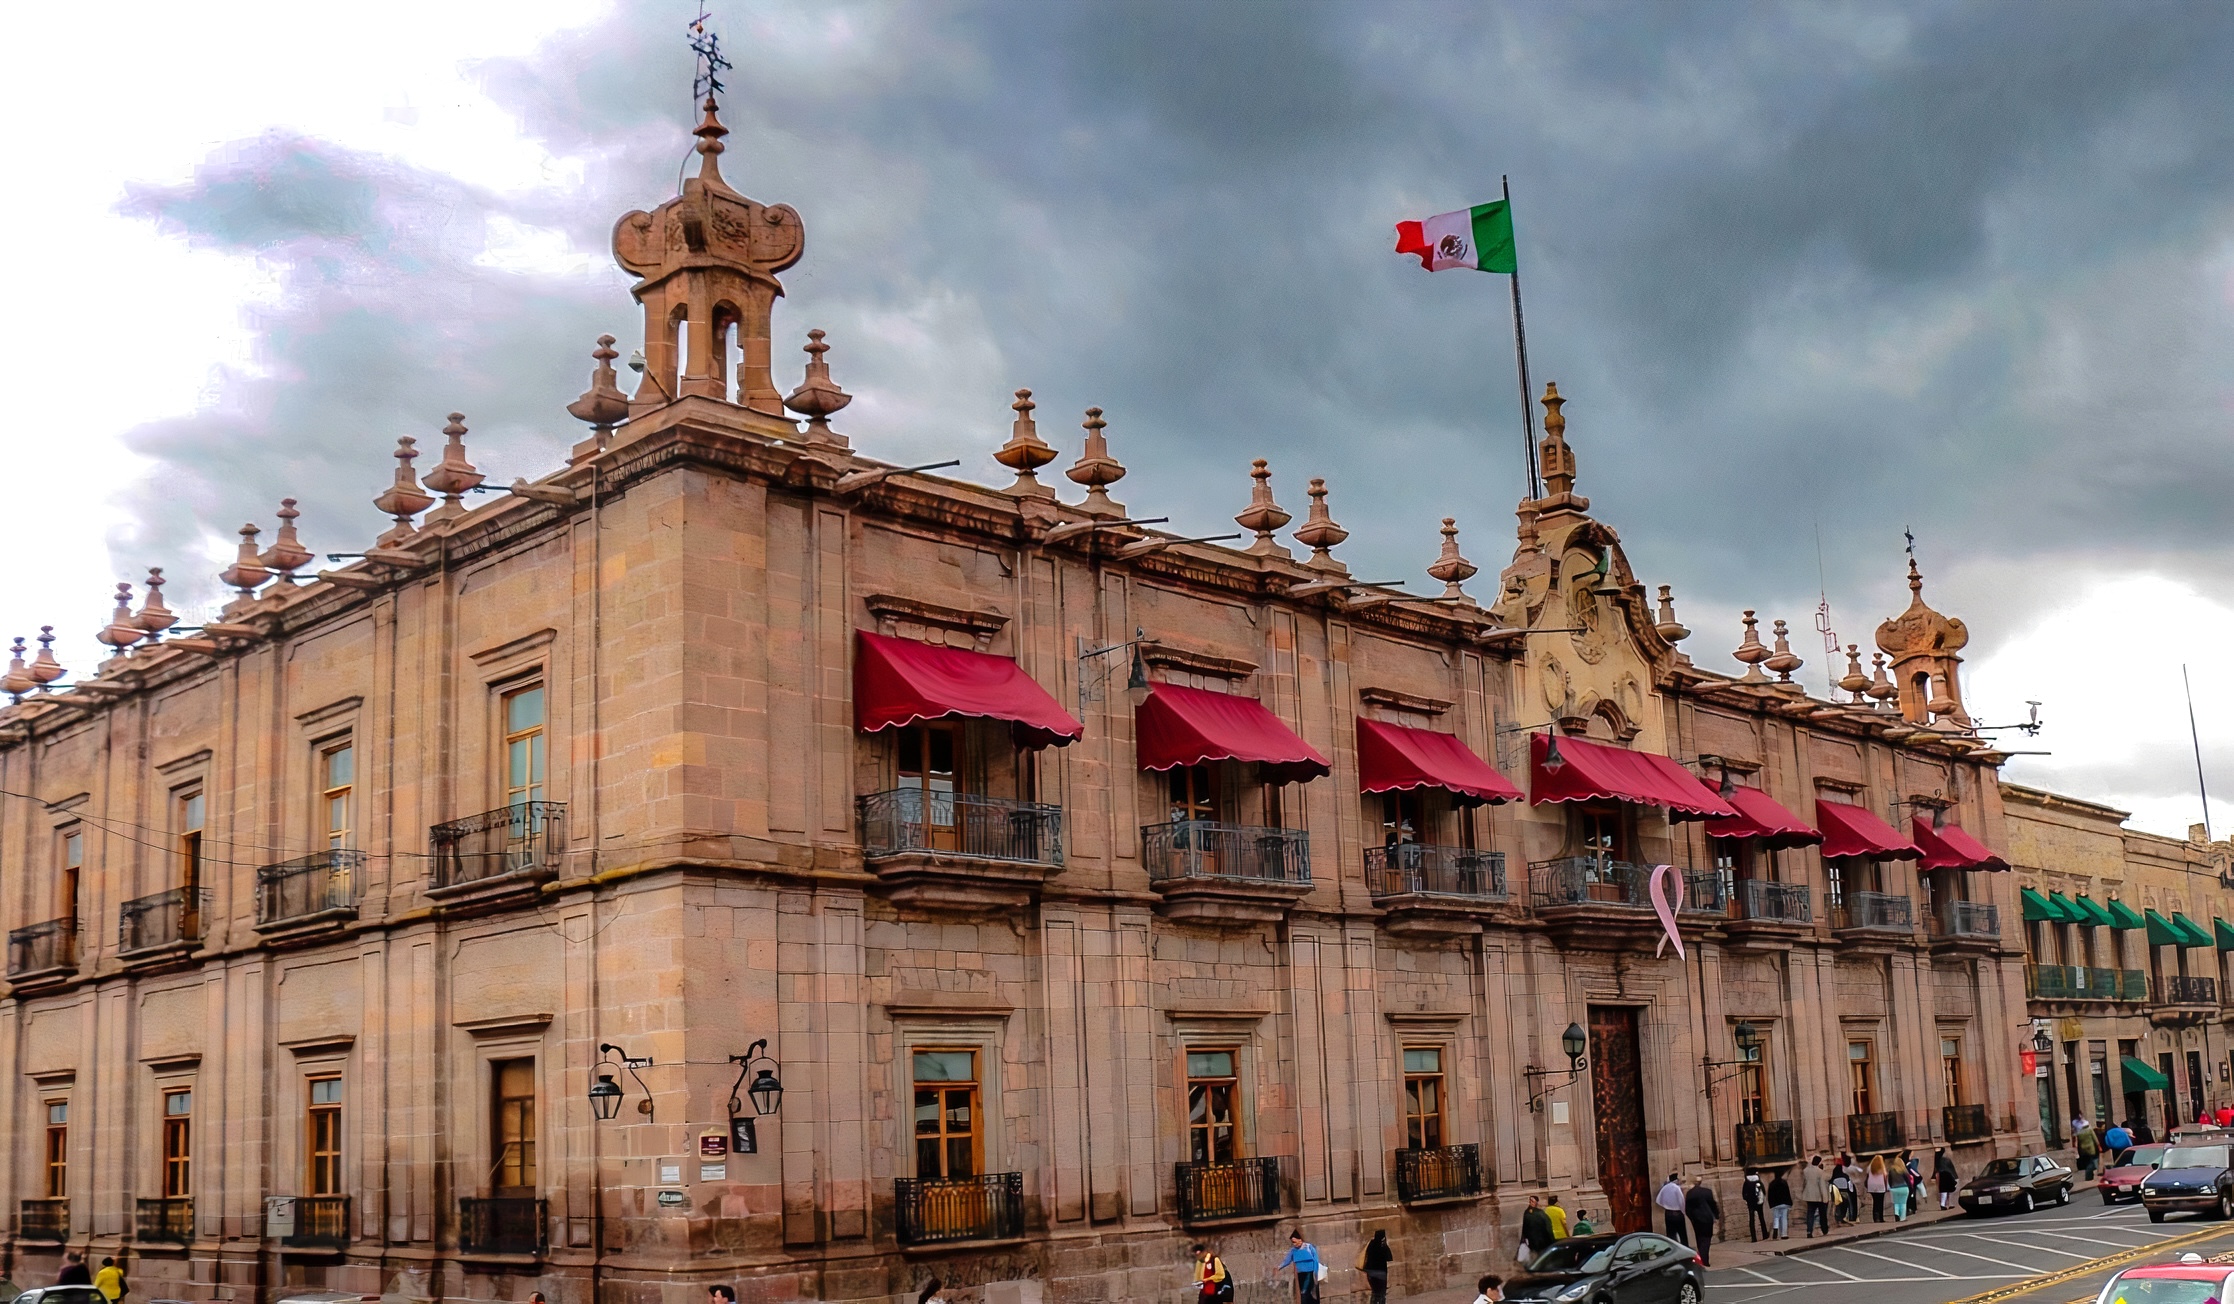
(899, 681)
(1761, 816)
(1589, 771)
(1178, 726)
(1949, 847)
(1392, 758)
(1849, 830)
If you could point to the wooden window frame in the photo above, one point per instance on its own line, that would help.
(1753, 1082)
(1425, 1129)
(1593, 818)
(323, 1147)
(973, 1089)
(56, 1167)
(1237, 1141)
(178, 1143)
(1861, 1075)
(1952, 1079)
(339, 835)
(514, 1156)
(70, 857)
(535, 738)
(190, 819)
(1195, 792)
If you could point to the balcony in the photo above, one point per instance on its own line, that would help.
(498, 851)
(1599, 904)
(943, 1211)
(1873, 918)
(2133, 984)
(1966, 926)
(311, 1222)
(150, 927)
(503, 1225)
(960, 850)
(1226, 873)
(1439, 891)
(2069, 982)
(1243, 1188)
(167, 1221)
(1705, 892)
(45, 952)
(1770, 915)
(1965, 1123)
(1445, 1173)
(305, 893)
(1871, 1133)
(2178, 998)
(1762, 1145)
(43, 1220)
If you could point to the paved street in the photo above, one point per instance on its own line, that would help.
(1962, 1257)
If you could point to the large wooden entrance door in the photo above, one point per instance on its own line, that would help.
(1617, 1104)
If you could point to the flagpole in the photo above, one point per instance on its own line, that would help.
(1520, 352)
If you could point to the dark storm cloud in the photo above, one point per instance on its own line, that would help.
(1869, 266)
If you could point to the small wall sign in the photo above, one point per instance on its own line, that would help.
(670, 1172)
(713, 1145)
(713, 1172)
(744, 1137)
(672, 1199)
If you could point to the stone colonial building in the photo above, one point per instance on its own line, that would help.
(2127, 934)
(1085, 890)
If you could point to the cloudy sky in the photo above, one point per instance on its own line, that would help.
(1817, 271)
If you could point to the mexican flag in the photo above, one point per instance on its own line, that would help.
(1480, 238)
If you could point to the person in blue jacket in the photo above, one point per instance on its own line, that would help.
(1303, 1256)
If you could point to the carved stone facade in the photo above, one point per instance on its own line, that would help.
(346, 901)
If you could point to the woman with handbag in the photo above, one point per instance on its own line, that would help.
(1216, 1284)
(1373, 1259)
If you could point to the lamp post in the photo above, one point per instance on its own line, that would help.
(766, 1094)
(1574, 1042)
(1748, 1039)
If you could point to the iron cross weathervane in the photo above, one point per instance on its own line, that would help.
(707, 46)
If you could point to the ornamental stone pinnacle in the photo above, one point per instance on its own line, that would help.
(602, 406)
(155, 615)
(1856, 680)
(1557, 458)
(1751, 652)
(18, 680)
(1784, 660)
(286, 553)
(818, 397)
(247, 570)
(1262, 514)
(453, 477)
(45, 669)
(120, 633)
(1319, 533)
(1097, 470)
(1025, 452)
(1667, 626)
(404, 499)
(1451, 568)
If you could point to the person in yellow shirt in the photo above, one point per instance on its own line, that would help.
(110, 1281)
(1558, 1218)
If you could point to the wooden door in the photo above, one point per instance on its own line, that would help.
(1617, 1105)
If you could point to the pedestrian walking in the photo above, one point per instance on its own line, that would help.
(74, 1272)
(930, 1292)
(1943, 1176)
(1704, 1211)
(1491, 1290)
(1879, 1181)
(1213, 1282)
(1842, 1191)
(1582, 1223)
(1897, 1176)
(714, 1295)
(1855, 1176)
(2117, 1141)
(1756, 1205)
(1303, 1256)
(2087, 1144)
(1780, 1207)
(1670, 1201)
(1558, 1219)
(1816, 1192)
(110, 1281)
(1535, 1232)
(1374, 1260)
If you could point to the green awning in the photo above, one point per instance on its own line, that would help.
(2122, 916)
(2140, 1077)
(2038, 909)
(2224, 932)
(2095, 914)
(2071, 913)
(2162, 933)
(2197, 935)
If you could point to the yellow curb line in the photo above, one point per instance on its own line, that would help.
(2093, 1265)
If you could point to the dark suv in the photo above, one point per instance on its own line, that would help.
(2191, 1177)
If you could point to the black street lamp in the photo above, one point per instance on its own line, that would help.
(605, 1094)
(605, 1097)
(1748, 1039)
(766, 1093)
(1574, 1042)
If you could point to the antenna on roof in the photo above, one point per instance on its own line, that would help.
(1823, 617)
(706, 84)
(2197, 739)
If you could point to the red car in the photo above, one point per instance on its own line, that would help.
(2124, 1181)
(2190, 1281)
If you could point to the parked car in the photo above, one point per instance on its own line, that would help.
(1637, 1268)
(2189, 1281)
(2123, 1182)
(2191, 1177)
(2019, 1183)
(61, 1295)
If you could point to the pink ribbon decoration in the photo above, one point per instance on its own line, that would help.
(1662, 875)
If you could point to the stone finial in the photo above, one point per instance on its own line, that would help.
(120, 633)
(1025, 452)
(1097, 470)
(1452, 569)
(709, 132)
(1668, 627)
(286, 553)
(1530, 538)
(1881, 689)
(404, 499)
(1751, 652)
(818, 397)
(1784, 660)
(453, 477)
(1924, 647)
(1319, 533)
(602, 405)
(18, 680)
(247, 570)
(154, 614)
(1555, 457)
(45, 669)
(1263, 515)
(1856, 681)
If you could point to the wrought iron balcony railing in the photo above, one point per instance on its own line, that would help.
(1965, 1123)
(169, 1219)
(1416, 869)
(43, 1220)
(320, 1221)
(43, 948)
(1967, 920)
(164, 919)
(960, 824)
(311, 887)
(1774, 903)
(1206, 849)
(1763, 1144)
(1445, 1173)
(935, 1211)
(1875, 911)
(2055, 982)
(500, 1225)
(1588, 881)
(2133, 984)
(1866, 1133)
(1705, 892)
(2185, 989)
(1242, 1188)
(2102, 984)
(522, 839)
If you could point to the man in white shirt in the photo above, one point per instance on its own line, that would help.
(1670, 1201)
